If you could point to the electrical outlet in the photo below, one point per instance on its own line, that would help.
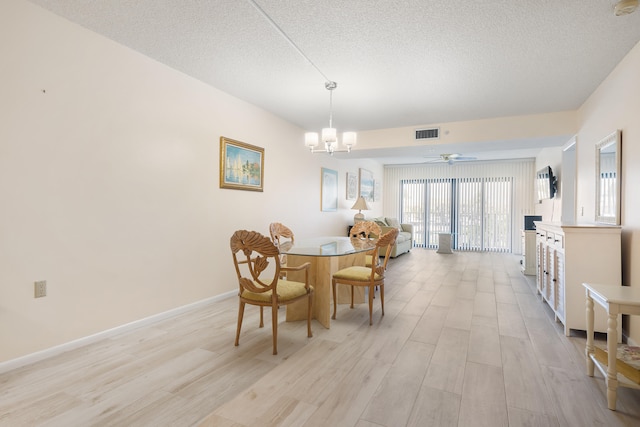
(40, 289)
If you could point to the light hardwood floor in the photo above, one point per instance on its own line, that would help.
(464, 342)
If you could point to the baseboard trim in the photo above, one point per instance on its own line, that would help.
(127, 327)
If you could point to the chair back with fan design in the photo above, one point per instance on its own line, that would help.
(366, 230)
(257, 262)
(369, 277)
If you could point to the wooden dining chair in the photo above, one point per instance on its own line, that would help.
(280, 234)
(370, 277)
(257, 263)
(366, 230)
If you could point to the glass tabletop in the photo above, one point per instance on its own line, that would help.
(327, 246)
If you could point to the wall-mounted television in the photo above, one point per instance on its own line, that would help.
(545, 183)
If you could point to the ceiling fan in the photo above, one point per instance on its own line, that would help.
(450, 158)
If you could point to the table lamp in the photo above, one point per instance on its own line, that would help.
(360, 205)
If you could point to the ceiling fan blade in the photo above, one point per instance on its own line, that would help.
(448, 158)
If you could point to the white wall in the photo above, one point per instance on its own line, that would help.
(109, 182)
(615, 105)
(550, 209)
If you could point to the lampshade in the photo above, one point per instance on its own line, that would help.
(360, 205)
(311, 139)
(349, 139)
(329, 136)
(625, 7)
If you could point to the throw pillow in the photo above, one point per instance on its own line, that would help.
(381, 222)
(393, 222)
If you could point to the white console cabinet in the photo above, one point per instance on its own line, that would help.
(568, 256)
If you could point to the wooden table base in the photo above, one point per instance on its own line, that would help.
(320, 274)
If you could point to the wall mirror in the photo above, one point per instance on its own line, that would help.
(608, 153)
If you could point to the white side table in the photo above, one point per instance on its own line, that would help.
(444, 243)
(616, 300)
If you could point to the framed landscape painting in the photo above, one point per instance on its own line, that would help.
(329, 190)
(241, 165)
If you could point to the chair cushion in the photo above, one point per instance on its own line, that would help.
(287, 290)
(355, 272)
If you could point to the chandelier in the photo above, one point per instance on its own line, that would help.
(329, 136)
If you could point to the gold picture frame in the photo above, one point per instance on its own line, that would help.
(241, 165)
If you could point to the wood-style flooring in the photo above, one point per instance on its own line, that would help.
(464, 341)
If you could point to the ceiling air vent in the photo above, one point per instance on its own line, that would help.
(433, 133)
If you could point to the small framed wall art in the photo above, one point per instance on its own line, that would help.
(352, 186)
(377, 190)
(329, 190)
(241, 165)
(366, 185)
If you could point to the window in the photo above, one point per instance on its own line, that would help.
(476, 211)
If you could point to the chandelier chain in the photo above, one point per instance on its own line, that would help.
(288, 39)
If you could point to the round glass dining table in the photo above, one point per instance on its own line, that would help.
(327, 246)
(326, 254)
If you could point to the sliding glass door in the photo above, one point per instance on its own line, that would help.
(439, 209)
(476, 211)
(468, 232)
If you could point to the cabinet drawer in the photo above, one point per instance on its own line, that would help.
(550, 238)
(555, 240)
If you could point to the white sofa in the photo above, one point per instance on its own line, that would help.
(404, 242)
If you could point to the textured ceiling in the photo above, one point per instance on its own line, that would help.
(397, 63)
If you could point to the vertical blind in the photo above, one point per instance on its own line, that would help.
(479, 202)
(476, 211)
(468, 232)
